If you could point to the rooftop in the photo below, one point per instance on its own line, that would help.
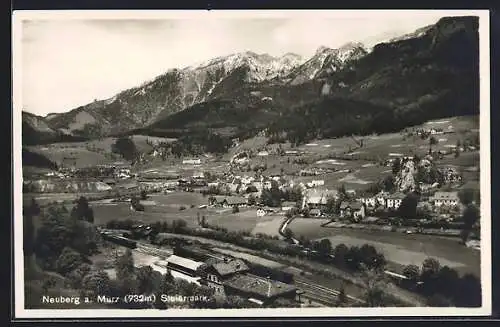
(259, 286)
(397, 195)
(350, 204)
(184, 262)
(288, 204)
(317, 199)
(225, 268)
(446, 195)
(230, 199)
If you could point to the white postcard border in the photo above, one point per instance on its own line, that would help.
(485, 179)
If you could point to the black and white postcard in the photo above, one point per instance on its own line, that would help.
(251, 163)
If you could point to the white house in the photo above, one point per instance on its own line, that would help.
(287, 206)
(381, 198)
(315, 183)
(263, 153)
(261, 212)
(191, 162)
(445, 199)
(369, 201)
(393, 201)
(267, 185)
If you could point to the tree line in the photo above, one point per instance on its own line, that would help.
(442, 285)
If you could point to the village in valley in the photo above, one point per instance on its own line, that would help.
(271, 224)
(317, 178)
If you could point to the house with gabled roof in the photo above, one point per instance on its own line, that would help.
(352, 210)
(260, 290)
(317, 199)
(445, 199)
(227, 201)
(217, 271)
(394, 200)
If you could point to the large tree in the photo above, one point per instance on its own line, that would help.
(82, 210)
(412, 272)
(125, 147)
(340, 253)
(145, 280)
(432, 141)
(408, 207)
(324, 247)
(96, 283)
(470, 216)
(68, 261)
(33, 209)
(375, 285)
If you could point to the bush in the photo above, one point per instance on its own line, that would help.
(68, 261)
(182, 208)
(236, 209)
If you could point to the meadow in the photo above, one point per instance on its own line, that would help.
(93, 152)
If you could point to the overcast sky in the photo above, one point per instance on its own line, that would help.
(67, 63)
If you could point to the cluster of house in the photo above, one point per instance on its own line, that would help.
(117, 171)
(450, 174)
(314, 171)
(225, 275)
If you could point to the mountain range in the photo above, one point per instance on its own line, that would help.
(430, 73)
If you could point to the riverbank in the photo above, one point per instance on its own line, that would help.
(395, 229)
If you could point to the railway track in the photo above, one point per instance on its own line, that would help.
(318, 293)
(152, 251)
(321, 294)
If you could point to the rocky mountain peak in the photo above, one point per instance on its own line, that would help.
(322, 49)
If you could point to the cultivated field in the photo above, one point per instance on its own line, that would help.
(121, 211)
(269, 225)
(91, 153)
(245, 220)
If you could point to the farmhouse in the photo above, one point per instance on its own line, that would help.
(393, 201)
(369, 201)
(191, 161)
(445, 199)
(227, 201)
(258, 289)
(308, 172)
(216, 272)
(317, 199)
(352, 209)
